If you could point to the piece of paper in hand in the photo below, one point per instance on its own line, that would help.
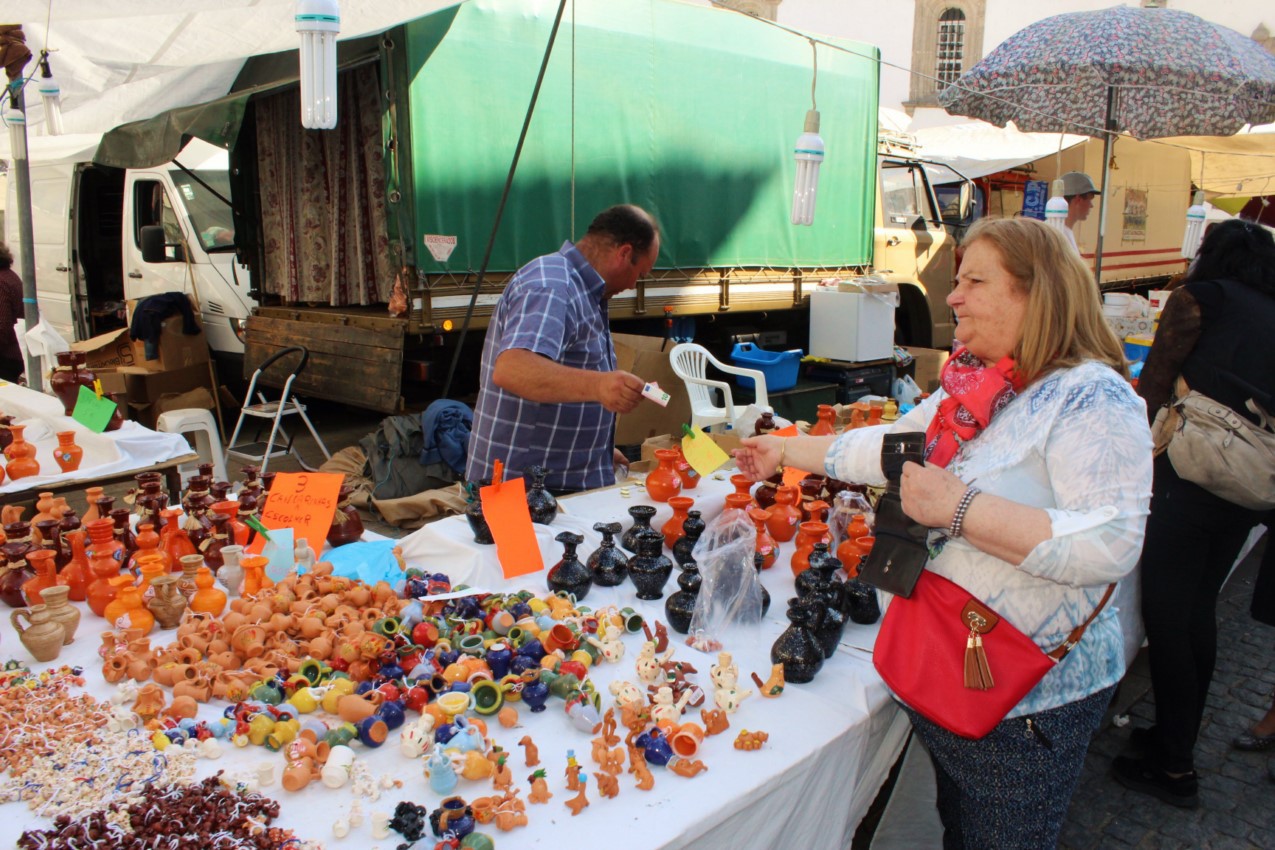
(653, 392)
(704, 455)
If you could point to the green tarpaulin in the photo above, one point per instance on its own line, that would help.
(687, 111)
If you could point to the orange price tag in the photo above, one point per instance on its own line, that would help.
(304, 502)
(505, 509)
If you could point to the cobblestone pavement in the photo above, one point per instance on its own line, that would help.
(1237, 799)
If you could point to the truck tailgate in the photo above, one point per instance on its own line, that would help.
(357, 361)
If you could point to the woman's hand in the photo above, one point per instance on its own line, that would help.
(930, 494)
(758, 457)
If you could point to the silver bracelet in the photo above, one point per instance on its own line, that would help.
(958, 518)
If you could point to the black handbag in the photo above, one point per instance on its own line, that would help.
(899, 555)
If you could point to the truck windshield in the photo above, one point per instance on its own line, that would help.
(209, 215)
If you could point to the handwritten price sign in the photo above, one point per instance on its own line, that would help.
(304, 502)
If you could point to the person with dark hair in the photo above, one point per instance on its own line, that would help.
(549, 387)
(1079, 192)
(1215, 333)
(11, 365)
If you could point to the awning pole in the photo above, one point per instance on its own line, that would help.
(1108, 139)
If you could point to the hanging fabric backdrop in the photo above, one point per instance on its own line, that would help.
(323, 198)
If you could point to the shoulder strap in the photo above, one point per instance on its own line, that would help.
(1077, 633)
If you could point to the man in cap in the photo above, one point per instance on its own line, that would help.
(1079, 192)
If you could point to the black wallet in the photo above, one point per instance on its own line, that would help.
(900, 552)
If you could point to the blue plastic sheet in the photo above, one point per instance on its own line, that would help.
(368, 561)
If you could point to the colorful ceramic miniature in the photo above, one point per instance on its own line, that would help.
(774, 686)
(539, 788)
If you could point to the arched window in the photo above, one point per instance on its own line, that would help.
(951, 47)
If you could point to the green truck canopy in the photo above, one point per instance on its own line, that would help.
(687, 111)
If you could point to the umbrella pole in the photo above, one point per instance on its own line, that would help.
(1108, 139)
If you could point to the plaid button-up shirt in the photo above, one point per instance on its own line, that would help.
(555, 306)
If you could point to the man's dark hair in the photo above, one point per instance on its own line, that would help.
(1237, 250)
(6, 257)
(625, 224)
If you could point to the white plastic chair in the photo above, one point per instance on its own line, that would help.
(690, 363)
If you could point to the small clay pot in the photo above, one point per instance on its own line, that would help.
(42, 637)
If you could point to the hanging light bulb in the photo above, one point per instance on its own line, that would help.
(1194, 227)
(1056, 208)
(318, 22)
(16, 120)
(809, 153)
(51, 95)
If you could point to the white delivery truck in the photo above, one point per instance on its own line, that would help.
(105, 235)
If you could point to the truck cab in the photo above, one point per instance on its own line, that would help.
(915, 243)
(104, 235)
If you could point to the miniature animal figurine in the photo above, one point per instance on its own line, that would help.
(715, 721)
(637, 767)
(750, 740)
(660, 638)
(504, 777)
(573, 772)
(599, 750)
(774, 686)
(728, 699)
(530, 751)
(539, 788)
(675, 673)
(686, 767)
(665, 709)
(725, 673)
(610, 646)
(608, 728)
(578, 803)
(417, 737)
(613, 761)
(626, 694)
(608, 784)
(649, 663)
(636, 721)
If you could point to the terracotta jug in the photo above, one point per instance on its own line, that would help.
(847, 552)
(46, 575)
(686, 472)
(815, 511)
(61, 611)
(16, 571)
(21, 455)
(41, 636)
(6, 436)
(44, 507)
(68, 376)
(104, 564)
(824, 427)
(150, 567)
(167, 605)
(76, 574)
(738, 502)
(254, 575)
(808, 535)
(856, 551)
(238, 531)
(70, 523)
(173, 539)
(347, 525)
(91, 495)
(784, 514)
(190, 569)
(67, 455)
(663, 482)
(765, 494)
(766, 546)
(207, 599)
(743, 485)
(672, 530)
(147, 544)
(126, 610)
(220, 536)
(123, 531)
(876, 410)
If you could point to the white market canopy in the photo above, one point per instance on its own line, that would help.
(119, 61)
(976, 148)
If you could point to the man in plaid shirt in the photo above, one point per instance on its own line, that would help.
(549, 386)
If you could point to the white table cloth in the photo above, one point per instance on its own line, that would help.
(831, 744)
(133, 446)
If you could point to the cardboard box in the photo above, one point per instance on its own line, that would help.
(151, 393)
(929, 364)
(176, 349)
(642, 356)
(110, 350)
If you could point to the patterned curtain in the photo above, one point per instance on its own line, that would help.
(323, 198)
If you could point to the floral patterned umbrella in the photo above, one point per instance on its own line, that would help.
(1147, 72)
(1161, 73)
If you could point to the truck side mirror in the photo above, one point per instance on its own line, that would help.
(152, 237)
(963, 214)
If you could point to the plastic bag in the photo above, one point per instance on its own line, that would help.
(845, 505)
(743, 424)
(728, 608)
(906, 390)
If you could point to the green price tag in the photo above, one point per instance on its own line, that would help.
(93, 411)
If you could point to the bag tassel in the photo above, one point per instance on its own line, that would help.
(978, 676)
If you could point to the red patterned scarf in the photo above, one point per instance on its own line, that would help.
(975, 393)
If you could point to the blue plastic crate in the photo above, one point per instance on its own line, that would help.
(779, 367)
